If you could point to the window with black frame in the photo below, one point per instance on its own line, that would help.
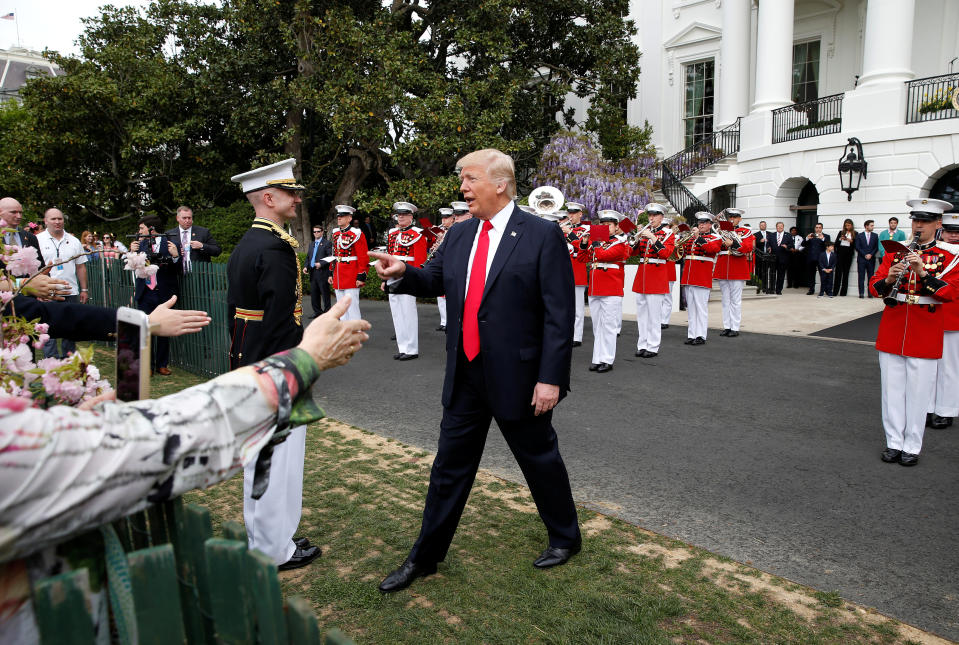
(698, 119)
(805, 81)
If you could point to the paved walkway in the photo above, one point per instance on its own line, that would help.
(762, 448)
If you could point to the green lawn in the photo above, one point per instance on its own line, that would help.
(362, 503)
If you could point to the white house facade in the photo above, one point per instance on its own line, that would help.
(752, 104)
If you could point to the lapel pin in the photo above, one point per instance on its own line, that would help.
(513, 233)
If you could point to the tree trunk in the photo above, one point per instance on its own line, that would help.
(360, 166)
(294, 148)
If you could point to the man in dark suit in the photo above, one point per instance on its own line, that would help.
(319, 271)
(827, 267)
(11, 212)
(764, 261)
(509, 288)
(149, 293)
(781, 244)
(867, 245)
(201, 244)
(815, 245)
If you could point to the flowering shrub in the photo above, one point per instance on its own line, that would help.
(574, 164)
(49, 381)
(941, 100)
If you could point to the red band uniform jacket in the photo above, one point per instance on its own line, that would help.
(651, 273)
(352, 258)
(914, 326)
(606, 277)
(729, 265)
(699, 273)
(407, 244)
(573, 241)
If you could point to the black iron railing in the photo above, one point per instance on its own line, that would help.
(685, 203)
(931, 98)
(705, 152)
(809, 119)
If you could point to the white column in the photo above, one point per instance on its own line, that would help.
(774, 59)
(887, 43)
(734, 58)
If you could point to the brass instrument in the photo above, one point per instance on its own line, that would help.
(546, 202)
(685, 234)
(439, 232)
(732, 235)
(633, 238)
(890, 299)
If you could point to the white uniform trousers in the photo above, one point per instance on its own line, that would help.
(353, 313)
(908, 387)
(606, 313)
(732, 291)
(697, 306)
(271, 521)
(405, 322)
(649, 315)
(947, 377)
(441, 305)
(580, 313)
(667, 305)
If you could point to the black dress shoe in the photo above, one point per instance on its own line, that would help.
(405, 575)
(724, 332)
(397, 355)
(407, 357)
(393, 337)
(640, 353)
(689, 341)
(301, 558)
(577, 343)
(593, 367)
(699, 340)
(441, 328)
(554, 556)
(650, 354)
(732, 333)
(779, 293)
(301, 542)
(908, 459)
(664, 326)
(939, 422)
(810, 293)
(890, 455)
(604, 367)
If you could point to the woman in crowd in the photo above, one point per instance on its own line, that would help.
(845, 249)
(110, 250)
(89, 242)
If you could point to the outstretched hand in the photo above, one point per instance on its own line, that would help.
(331, 341)
(167, 321)
(388, 266)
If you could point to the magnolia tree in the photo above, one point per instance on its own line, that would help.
(574, 164)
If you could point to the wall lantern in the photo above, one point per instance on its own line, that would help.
(852, 167)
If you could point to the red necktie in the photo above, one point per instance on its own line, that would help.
(474, 294)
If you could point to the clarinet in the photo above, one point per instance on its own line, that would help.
(890, 299)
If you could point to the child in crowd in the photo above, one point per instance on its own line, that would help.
(827, 266)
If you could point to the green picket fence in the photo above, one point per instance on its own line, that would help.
(185, 586)
(205, 353)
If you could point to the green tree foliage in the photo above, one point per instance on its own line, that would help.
(375, 100)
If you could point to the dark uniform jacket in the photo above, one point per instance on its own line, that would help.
(263, 295)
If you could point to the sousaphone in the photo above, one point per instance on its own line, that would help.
(546, 201)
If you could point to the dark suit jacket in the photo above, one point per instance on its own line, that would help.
(67, 319)
(525, 317)
(167, 275)
(326, 250)
(815, 247)
(761, 244)
(782, 255)
(864, 249)
(27, 239)
(210, 247)
(831, 264)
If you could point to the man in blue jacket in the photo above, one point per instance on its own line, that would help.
(509, 288)
(815, 245)
(867, 246)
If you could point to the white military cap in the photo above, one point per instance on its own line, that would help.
(276, 175)
(704, 215)
(734, 212)
(950, 221)
(554, 217)
(446, 212)
(610, 216)
(927, 209)
(653, 207)
(526, 209)
(404, 208)
(574, 207)
(343, 209)
(460, 207)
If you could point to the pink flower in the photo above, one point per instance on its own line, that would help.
(41, 328)
(71, 391)
(17, 359)
(93, 372)
(48, 364)
(6, 296)
(13, 403)
(24, 261)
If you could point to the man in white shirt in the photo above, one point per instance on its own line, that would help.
(60, 249)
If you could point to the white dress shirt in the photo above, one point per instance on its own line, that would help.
(499, 222)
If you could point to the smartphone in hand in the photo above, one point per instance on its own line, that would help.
(133, 354)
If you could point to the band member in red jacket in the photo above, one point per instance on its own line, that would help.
(446, 221)
(699, 257)
(946, 405)
(350, 260)
(408, 244)
(606, 288)
(914, 284)
(733, 268)
(655, 243)
(575, 232)
(671, 279)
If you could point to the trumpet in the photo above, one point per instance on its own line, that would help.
(633, 238)
(890, 299)
(681, 240)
